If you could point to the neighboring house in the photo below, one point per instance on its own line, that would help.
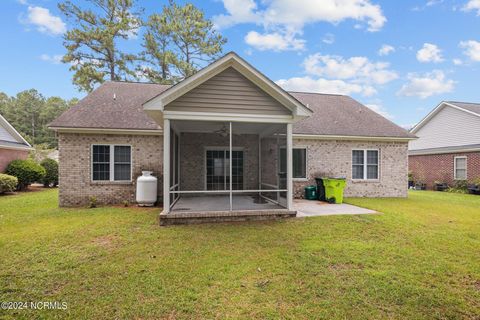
(448, 144)
(12, 145)
(280, 141)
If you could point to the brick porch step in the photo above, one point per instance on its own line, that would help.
(224, 216)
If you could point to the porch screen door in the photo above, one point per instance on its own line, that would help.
(218, 170)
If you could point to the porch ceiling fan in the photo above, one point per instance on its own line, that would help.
(223, 131)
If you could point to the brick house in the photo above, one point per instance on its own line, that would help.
(226, 137)
(448, 145)
(12, 145)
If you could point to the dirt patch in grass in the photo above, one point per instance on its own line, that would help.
(107, 242)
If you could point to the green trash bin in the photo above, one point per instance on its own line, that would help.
(311, 193)
(334, 189)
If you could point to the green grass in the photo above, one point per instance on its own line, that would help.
(418, 260)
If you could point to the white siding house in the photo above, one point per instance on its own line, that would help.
(447, 126)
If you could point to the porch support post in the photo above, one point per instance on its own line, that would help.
(230, 165)
(166, 166)
(289, 167)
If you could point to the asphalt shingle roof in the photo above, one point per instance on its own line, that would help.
(118, 105)
(472, 107)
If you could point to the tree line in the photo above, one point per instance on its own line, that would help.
(29, 112)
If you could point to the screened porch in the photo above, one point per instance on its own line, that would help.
(217, 166)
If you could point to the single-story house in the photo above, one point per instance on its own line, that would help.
(225, 139)
(448, 145)
(12, 145)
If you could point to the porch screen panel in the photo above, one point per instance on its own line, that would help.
(273, 164)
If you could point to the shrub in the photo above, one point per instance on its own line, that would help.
(476, 182)
(92, 202)
(7, 183)
(26, 171)
(461, 186)
(51, 172)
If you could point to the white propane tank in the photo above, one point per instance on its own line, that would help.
(146, 189)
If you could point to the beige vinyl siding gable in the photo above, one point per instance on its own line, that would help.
(448, 128)
(228, 92)
(6, 136)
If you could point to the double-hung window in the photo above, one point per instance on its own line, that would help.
(365, 164)
(299, 163)
(460, 168)
(111, 163)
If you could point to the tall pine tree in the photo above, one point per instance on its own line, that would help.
(92, 45)
(178, 42)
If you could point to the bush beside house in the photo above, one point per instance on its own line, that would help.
(7, 183)
(51, 172)
(26, 171)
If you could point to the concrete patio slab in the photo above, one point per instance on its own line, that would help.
(311, 208)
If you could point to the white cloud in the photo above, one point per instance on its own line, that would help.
(45, 21)
(293, 15)
(308, 84)
(328, 38)
(385, 50)
(457, 62)
(301, 12)
(335, 74)
(239, 11)
(472, 5)
(431, 3)
(407, 126)
(378, 108)
(358, 69)
(275, 41)
(429, 53)
(55, 59)
(472, 49)
(426, 85)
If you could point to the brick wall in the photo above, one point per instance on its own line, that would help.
(75, 167)
(439, 167)
(334, 158)
(8, 155)
(331, 158)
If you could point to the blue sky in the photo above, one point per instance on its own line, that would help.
(401, 58)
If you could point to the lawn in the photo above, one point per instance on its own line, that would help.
(420, 259)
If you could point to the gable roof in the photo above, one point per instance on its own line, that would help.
(10, 138)
(471, 108)
(332, 115)
(113, 105)
(339, 115)
(230, 60)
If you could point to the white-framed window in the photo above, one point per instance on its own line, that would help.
(460, 168)
(299, 163)
(365, 164)
(111, 162)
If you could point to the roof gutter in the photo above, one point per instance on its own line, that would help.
(444, 151)
(106, 131)
(351, 138)
(21, 148)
